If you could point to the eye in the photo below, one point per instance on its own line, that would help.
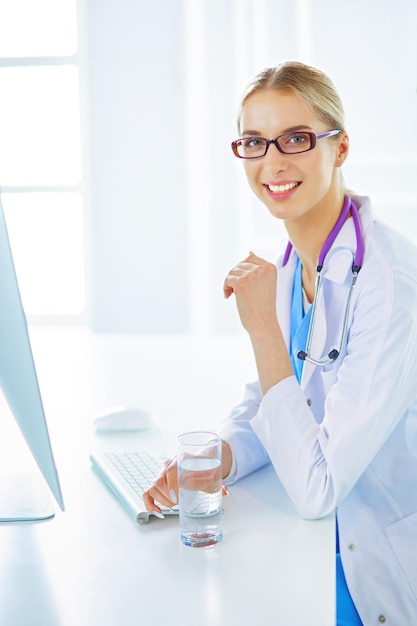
(251, 147)
(253, 143)
(295, 142)
(298, 139)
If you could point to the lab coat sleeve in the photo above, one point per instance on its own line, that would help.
(248, 451)
(319, 464)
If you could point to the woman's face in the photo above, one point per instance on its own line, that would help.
(290, 185)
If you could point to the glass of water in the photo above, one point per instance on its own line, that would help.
(200, 488)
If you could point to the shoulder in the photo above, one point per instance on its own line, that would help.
(387, 251)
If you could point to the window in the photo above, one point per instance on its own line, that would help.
(40, 153)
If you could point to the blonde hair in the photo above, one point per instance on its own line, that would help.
(309, 83)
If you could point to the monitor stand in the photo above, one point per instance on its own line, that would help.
(24, 497)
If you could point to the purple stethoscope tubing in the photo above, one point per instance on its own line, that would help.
(348, 206)
(334, 353)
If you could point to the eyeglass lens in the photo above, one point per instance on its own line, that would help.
(290, 143)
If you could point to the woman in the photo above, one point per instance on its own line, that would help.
(336, 412)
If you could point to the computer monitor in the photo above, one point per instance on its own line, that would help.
(23, 497)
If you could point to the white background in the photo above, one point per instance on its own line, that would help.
(159, 226)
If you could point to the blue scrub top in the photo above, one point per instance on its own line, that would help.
(300, 322)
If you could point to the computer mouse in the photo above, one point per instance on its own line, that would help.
(122, 418)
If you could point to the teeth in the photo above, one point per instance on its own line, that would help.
(281, 188)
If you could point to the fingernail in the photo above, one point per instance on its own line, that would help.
(158, 514)
(225, 490)
(251, 253)
(173, 496)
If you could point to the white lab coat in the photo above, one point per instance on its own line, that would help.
(346, 438)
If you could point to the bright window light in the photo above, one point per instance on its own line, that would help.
(40, 153)
(46, 236)
(30, 28)
(39, 126)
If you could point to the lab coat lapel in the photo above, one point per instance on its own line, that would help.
(284, 297)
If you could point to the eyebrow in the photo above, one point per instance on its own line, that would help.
(255, 133)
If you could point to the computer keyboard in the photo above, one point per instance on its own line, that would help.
(139, 469)
(129, 474)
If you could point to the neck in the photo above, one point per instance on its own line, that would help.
(309, 233)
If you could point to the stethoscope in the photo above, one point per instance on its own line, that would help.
(334, 353)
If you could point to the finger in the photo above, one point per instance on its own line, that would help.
(172, 481)
(159, 496)
(167, 482)
(233, 274)
(227, 291)
(164, 488)
(150, 504)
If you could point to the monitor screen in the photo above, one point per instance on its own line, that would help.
(23, 497)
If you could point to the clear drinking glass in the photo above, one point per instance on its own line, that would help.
(200, 488)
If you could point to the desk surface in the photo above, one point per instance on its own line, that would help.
(94, 566)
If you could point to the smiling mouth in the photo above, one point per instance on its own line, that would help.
(282, 188)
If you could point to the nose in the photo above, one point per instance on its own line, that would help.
(275, 160)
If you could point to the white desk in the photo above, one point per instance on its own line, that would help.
(93, 566)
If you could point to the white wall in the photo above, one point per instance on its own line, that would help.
(166, 225)
(138, 201)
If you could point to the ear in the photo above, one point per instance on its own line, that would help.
(342, 150)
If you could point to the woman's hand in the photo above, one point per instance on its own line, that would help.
(164, 488)
(254, 283)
